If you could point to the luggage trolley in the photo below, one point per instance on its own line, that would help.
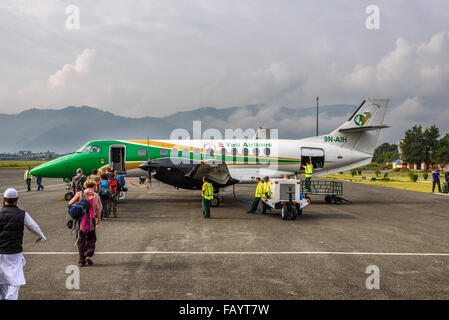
(331, 190)
(285, 195)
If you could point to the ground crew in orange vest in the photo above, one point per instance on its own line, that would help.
(257, 196)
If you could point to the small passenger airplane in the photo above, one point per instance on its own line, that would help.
(183, 163)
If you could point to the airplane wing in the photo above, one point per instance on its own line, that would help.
(190, 169)
(217, 172)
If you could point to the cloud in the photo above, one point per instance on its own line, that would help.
(409, 69)
(72, 72)
(158, 57)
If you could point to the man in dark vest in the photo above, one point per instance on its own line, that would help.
(12, 223)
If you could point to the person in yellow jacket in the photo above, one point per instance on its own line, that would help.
(207, 193)
(266, 192)
(257, 196)
(309, 173)
(28, 177)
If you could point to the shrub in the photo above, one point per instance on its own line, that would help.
(385, 175)
(353, 172)
(377, 172)
(425, 175)
(411, 175)
(341, 172)
(415, 177)
(359, 171)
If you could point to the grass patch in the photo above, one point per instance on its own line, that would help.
(19, 164)
(395, 181)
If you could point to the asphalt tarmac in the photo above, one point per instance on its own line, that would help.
(159, 247)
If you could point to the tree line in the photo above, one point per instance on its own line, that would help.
(418, 146)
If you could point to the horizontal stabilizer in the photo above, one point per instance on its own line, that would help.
(360, 129)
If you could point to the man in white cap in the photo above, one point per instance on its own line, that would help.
(12, 223)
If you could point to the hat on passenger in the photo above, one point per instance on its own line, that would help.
(11, 193)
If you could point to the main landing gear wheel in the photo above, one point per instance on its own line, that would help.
(328, 199)
(338, 200)
(215, 202)
(68, 196)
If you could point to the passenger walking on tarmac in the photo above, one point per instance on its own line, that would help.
(436, 180)
(104, 192)
(78, 181)
(113, 185)
(87, 237)
(266, 192)
(309, 173)
(28, 177)
(207, 192)
(121, 181)
(257, 196)
(12, 223)
(39, 184)
(94, 176)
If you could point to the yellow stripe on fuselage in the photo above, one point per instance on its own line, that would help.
(153, 143)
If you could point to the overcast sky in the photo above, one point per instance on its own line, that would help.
(139, 58)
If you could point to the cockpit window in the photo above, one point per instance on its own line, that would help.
(95, 149)
(84, 149)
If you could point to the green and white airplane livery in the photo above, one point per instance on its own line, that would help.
(183, 163)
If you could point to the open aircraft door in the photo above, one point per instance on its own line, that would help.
(117, 158)
(317, 155)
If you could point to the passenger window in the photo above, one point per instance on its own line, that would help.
(174, 152)
(196, 152)
(234, 151)
(163, 152)
(256, 151)
(223, 151)
(95, 149)
(267, 151)
(245, 151)
(185, 152)
(210, 152)
(141, 152)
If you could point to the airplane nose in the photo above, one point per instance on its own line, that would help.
(51, 169)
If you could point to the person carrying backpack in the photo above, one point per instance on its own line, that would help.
(121, 181)
(94, 176)
(104, 192)
(113, 185)
(89, 221)
(78, 181)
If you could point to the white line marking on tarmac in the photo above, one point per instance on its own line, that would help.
(45, 187)
(249, 253)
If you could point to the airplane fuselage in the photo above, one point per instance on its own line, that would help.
(246, 159)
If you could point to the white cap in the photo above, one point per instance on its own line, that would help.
(11, 193)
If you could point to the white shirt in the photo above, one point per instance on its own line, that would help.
(11, 265)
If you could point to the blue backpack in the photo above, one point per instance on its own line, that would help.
(78, 209)
(103, 189)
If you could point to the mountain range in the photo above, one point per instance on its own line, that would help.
(65, 130)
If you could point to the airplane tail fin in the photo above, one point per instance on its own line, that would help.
(362, 130)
